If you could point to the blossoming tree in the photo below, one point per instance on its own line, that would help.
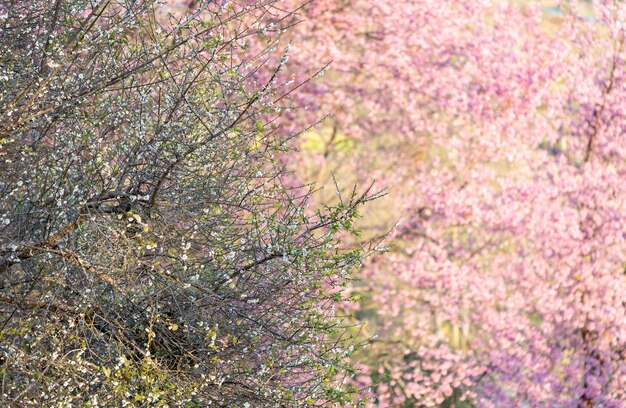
(505, 285)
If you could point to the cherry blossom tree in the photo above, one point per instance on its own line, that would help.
(150, 252)
(500, 132)
(503, 136)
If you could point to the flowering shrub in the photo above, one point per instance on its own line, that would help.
(150, 253)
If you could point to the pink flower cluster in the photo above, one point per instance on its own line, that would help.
(506, 281)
